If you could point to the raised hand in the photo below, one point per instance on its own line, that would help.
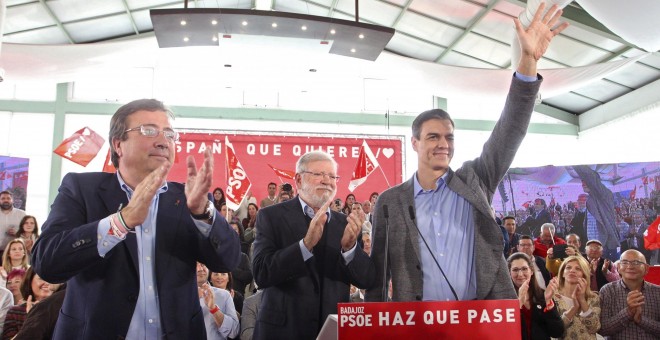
(550, 290)
(199, 182)
(137, 209)
(523, 294)
(635, 301)
(206, 293)
(353, 229)
(315, 230)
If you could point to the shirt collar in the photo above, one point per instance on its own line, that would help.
(305, 205)
(439, 183)
(128, 189)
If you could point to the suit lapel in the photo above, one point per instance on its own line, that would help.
(408, 200)
(464, 190)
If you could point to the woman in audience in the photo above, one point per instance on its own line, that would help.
(14, 257)
(14, 280)
(538, 313)
(28, 231)
(578, 305)
(249, 232)
(348, 204)
(224, 212)
(225, 281)
(33, 289)
(218, 198)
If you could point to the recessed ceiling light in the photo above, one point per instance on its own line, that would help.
(352, 50)
(215, 38)
(214, 22)
(244, 23)
(361, 36)
(274, 24)
(227, 65)
(304, 28)
(185, 39)
(332, 31)
(312, 70)
(183, 22)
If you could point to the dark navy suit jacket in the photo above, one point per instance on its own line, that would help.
(102, 291)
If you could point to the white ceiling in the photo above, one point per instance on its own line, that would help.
(464, 33)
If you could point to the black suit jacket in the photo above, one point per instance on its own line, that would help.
(298, 295)
(545, 324)
(102, 291)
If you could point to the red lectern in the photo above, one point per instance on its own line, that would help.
(460, 320)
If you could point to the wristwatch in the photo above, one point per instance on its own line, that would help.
(206, 215)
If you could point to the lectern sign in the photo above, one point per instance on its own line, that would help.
(487, 319)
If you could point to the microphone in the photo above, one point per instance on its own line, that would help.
(411, 212)
(386, 214)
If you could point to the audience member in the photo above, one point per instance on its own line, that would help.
(348, 204)
(366, 207)
(220, 316)
(283, 196)
(136, 264)
(6, 302)
(631, 306)
(634, 236)
(305, 255)
(28, 231)
(461, 199)
(249, 316)
(218, 198)
(42, 317)
(578, 305)
(539, 316)
(602, 269)
(249, 224)
(538, 217)
(542, 276)
(10, 218)
(33, 289)
(553, 263)
(509, 223)
(578, 224)
(336, 205)
(14, 257)
(271, 198)
(225, 281)
(366, 226)
(366, 242)
(372, 198)
(14, 280)
(546, 240)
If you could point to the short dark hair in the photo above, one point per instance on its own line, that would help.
(508, 218)
(526, 237)
(272, 183)
(5, 192)
(118, 121)
(428, 115)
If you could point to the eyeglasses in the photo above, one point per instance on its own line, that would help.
(525, 245)
(319, 175)
(152, 131)
(635, 263)
(523, 270)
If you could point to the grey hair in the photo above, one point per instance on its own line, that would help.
(548, 226)
(313, 156)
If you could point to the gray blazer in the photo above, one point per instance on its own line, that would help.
(476, 181)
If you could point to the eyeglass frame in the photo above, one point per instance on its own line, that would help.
(522, 270)
(633, 263)
(141, 128)
(318, 175)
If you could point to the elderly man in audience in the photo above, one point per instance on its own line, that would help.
(542, 276)
(630, 306)
(553, 262)
(220, 316)
(602, 269)
(546, 240)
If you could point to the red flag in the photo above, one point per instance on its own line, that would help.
(283, 173)
(652, 236)
(633, 193)
(81, 147)
(238, 183)
(108, 166)
(3, 175)
(366, 164)
(645, 180)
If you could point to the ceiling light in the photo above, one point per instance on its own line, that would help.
(352, 50)
(332, 31)
(304, 28)
(183, 22)
(274, 24)
(185, 39)
(244, 23)
(215, 38)
(361, 36)
(214, 22)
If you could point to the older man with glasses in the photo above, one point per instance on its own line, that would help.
(128, 243)
(630, 306)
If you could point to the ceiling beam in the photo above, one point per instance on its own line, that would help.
(625, 105)
(403, 11)
(57, 21)
(556, 113)
(467, 30)
(130, 17)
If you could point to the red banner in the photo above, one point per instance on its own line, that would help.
(258, 153)
(108, 166)
(460, 320)
(81, 147)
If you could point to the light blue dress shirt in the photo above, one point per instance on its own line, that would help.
(145, 323)
(230, 325)
(348, 256)
(445, 220)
